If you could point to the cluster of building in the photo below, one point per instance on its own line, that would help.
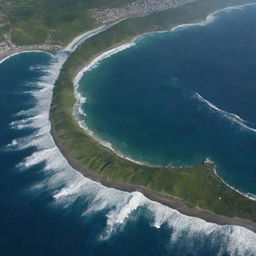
(7, 46)
(136, 8)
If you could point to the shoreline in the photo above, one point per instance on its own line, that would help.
(101, 56)
(153, 195)
(15, 51)
(165, 199)
(78, 40)
(116, 49)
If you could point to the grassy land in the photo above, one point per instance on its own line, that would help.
(4, 28)
(198, 186)
(58, 21)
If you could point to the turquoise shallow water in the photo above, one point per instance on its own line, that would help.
(177, 98)
(47, 208)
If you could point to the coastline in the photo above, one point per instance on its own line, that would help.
(15, 51)
(91, 64)
(80, 99)
(77, 41)
(165, 199)
(116, 49)
(162, 198)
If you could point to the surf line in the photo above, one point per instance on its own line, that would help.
(230, 116)
(80, 100)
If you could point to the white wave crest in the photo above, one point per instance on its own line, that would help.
(193, 232)
(105, 143)
(211, 17)
(34, 159)
(25, 113)
(28, 122)
(76, 42)
(36, 67)
(22, 52)
(230, 116)
(66, 186)
(117, 217)
(80, 99)
(101, 57)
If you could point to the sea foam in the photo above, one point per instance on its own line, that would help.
(230, 116)
(211, 17)
(66, 186)
(76, 42)
(79, 113)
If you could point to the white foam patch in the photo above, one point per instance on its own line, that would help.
(118, 216)
(210, 18)
(68, 194)
(30, 122)
(67, 185)
(30, 141)
(14, 143)
(80, 99)
(25, 113)
(104, 143)
(67, 191)
(36, 158)
(76, 42)
(251, 196)
(21, 52)
(193, 231)
(101, 57)
(37, 68)
(230, 116)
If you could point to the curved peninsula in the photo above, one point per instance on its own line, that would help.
(195, 191)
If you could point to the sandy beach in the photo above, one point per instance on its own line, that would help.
(14, 51)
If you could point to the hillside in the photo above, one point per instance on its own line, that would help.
(29, 22)
(195, 187)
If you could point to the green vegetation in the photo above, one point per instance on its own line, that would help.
(4, 28)
(197, 186)
(54, 21)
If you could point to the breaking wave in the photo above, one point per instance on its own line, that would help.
(72, 46)
(80, 114)
(67, 185)
(230, 116)
(210, 18)
(80, 99)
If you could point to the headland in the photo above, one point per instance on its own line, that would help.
(195, 191)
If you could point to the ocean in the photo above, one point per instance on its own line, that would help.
(177, 98)
(171, 99)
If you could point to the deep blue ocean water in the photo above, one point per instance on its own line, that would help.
(47, 208)
(156, 102)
